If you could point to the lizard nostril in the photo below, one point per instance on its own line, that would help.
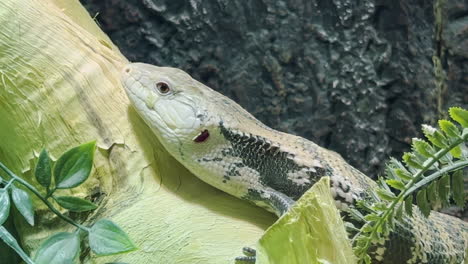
(128, 70)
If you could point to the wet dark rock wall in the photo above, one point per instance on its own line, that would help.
(354, 76)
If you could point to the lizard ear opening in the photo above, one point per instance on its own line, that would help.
(203, 136)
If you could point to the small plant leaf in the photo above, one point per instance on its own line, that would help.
(456, 152)
(449, 128)
(43, 171)
(409, 205)
(4, 206)
(75, 204)
(23, 203)
(74, 166)
(396, 184)
(457, 188)
(399, 211)
(444, 189)
(432, 195)
(372, 217)
(422, 147)
(411, 160)
(403, 174)
(367, 228)
(460, 115)
(106, 238)
(60, 248)
(421, 200)
(385, 195)
(379, 206)
(434, 136)
(367, 259)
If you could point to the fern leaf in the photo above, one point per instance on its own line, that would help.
(409, 205)
(456, 152)
(460, 115)
(423, 148)
(449, 128)
(385, 195)
(404, 174)
(432, 195)
(434, 136)
(457, 188)
(396, 184)
(444, 189)
(399, 211)
(411, 161)
(421, 200)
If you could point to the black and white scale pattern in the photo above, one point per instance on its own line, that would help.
(274, 166)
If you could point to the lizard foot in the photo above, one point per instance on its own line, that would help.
(249, 258)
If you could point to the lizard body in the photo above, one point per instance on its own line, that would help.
(225, 146)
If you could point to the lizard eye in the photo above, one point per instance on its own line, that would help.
(163, 87)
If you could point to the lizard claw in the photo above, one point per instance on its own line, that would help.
(249, 252)
(249, 258)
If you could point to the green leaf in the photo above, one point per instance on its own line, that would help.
(409, 205)
(74, 166)
(106, 238)
(421, 200)
(43, 171)
(390, 172)
(367, 228)
(404, 174)
(4, 206)
(75, 204)
(23, 203)
(380, 206)
(422, 147)
(411, 161)
(396, 184)
(444, 189)
(60, 248)
(457, 187)
(399, 211)
(434, 136)
(372, 218)
(460, 115)
(367, 259)
(456, 152)
(449, 128)
(385, 195)
(432, 194)
(6, 237)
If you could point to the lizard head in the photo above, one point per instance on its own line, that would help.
(173, 104)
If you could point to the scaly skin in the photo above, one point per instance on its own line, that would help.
(225, 146)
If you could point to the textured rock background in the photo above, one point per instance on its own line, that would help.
(354, 76)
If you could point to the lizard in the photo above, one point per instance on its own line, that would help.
(227, 147)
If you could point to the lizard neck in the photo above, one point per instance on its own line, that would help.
(277, 160)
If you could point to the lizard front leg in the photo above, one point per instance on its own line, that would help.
(275, 201)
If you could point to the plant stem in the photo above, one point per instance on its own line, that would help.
(8, 184)
(8, 239)
(455, 166)
(44, 200)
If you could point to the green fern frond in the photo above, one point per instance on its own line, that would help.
(432, 172)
